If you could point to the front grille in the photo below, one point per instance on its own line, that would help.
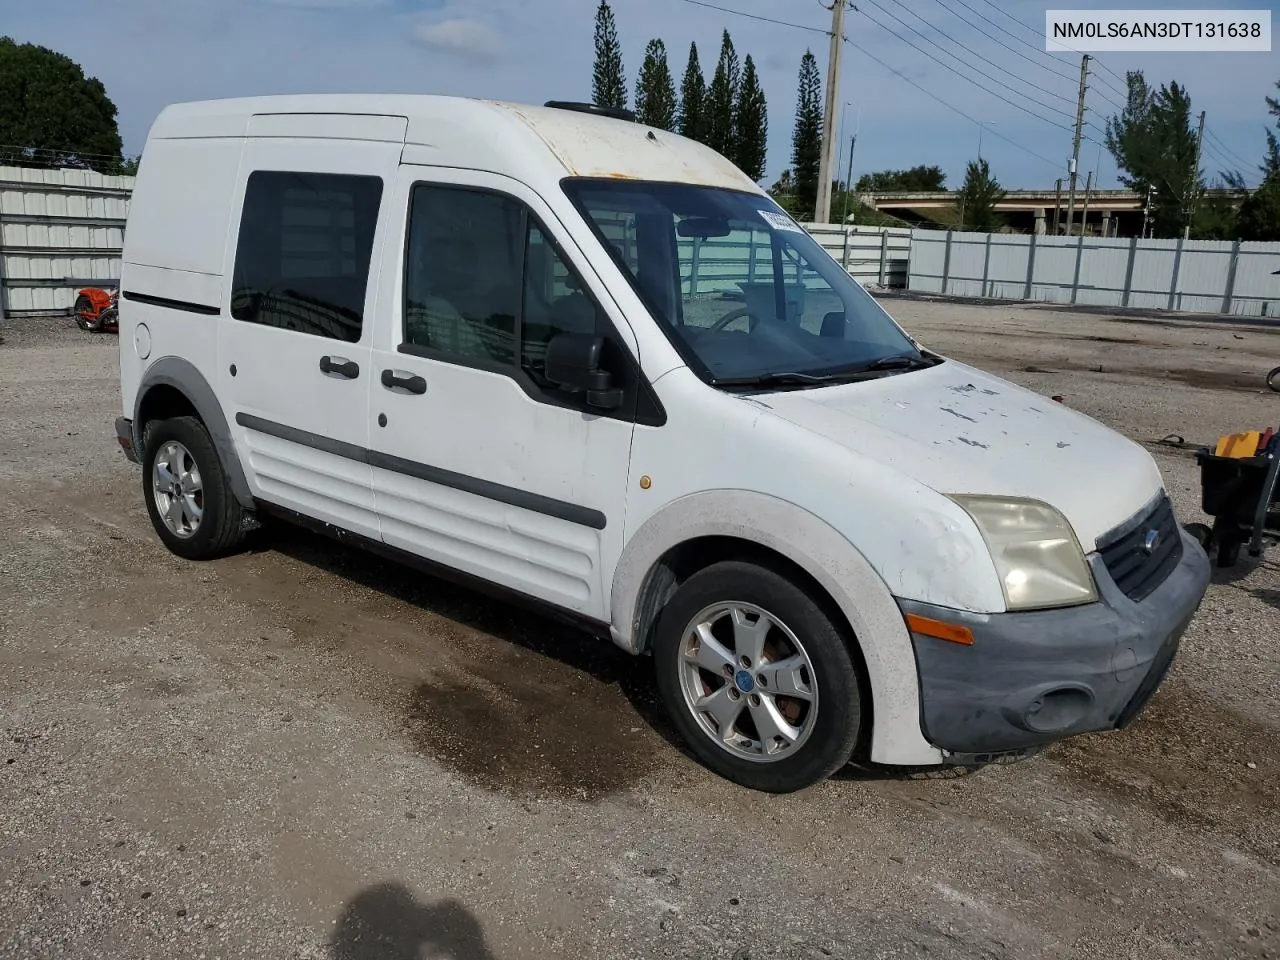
(1136, 569)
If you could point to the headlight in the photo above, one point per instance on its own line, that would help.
(1036, 553)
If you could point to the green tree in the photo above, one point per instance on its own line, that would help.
(609, 81)
(693, 96)
(1215, 217)
(722, 98)
(751, 124)
(1154, 145)
(51, 113)
(655, 90)
(978, 198)
(1271, 163)
(1259, 216)
(921, 179)
(806, 141)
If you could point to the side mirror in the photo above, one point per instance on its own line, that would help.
(573, 365)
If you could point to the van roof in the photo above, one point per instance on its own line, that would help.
(491, 135)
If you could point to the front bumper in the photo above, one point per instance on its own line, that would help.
(1032, 678)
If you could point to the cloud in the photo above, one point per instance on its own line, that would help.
(464, 38)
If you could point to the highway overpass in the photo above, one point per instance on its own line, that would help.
(1112, 213)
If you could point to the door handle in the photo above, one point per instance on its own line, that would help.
(339, 367)
(409, 383)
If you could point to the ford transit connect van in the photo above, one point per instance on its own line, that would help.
(592, 365)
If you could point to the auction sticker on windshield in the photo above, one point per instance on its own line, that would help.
(780, 221)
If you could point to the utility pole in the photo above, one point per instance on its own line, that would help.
(826, 168)
(1193, 189)
(1084, 213)
(848, 183)
(1075, 143)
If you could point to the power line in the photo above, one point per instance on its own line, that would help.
(994, 39)
(1219, 160)
(979, 55)
(993, 93)
(1032, 46)
(954, 109)
(1225, 149)
(752, 16)
(898, 73)
(1039, 34)
(1007, 33)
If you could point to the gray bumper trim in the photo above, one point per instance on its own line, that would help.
(1033, 678)
(125, 437)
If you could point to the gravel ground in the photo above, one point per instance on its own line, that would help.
(304, 752)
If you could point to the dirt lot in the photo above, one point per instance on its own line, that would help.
(303, 752)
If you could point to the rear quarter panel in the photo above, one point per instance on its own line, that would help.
(175, 244)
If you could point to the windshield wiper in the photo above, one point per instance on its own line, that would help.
(903, 361)
(776, 379)
(866, 371)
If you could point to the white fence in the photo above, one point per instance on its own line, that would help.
(1203, 276)
(60, 230)
(872, 255)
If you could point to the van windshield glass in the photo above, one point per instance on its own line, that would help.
(747, 296)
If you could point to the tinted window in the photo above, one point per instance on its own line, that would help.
(555, 301)
(462, 285)
(482, 278)
(302, 261)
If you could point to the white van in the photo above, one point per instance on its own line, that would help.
(591, 364)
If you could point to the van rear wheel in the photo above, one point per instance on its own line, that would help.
(757, 678)
(189, 499)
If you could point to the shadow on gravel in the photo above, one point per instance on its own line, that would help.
(533, 706)
(1271, 597)
(386, 922)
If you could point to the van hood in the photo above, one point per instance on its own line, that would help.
(956, 429)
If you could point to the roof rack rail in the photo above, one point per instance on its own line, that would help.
(617, 113)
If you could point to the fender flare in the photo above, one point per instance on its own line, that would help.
(824, 554)
(183, 376)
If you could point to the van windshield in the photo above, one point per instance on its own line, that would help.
(745, 295)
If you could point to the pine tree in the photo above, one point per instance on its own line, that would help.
(1153, 142)
(693, 96)
(806, 143)
(978, 198)
(609, 82)
(1271, 162)
(722, 99)
(655, 90)
(751, 124)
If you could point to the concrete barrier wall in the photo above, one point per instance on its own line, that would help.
(60, 230)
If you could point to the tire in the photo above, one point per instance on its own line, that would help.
(1202, 533)
(83, 305)
(827, 714)
(181, 444)
(1273, 379)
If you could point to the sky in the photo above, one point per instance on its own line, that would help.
(917, 106)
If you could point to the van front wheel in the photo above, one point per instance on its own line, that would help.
(757, 679)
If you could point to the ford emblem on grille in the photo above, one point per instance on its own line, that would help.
(1150, 542)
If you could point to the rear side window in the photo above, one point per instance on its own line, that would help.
(302, 261)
